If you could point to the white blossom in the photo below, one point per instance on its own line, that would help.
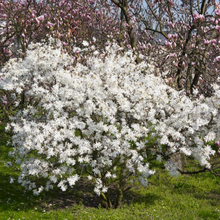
(72, 180)
(85, 43)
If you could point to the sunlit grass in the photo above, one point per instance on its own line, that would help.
(184, 197)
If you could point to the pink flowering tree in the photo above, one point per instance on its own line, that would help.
(23, 22)
(182, 37)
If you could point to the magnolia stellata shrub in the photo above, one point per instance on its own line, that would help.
(101, 118)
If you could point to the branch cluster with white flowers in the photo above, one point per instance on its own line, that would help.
(100, 117)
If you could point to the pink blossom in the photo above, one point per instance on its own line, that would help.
(170, 24)
(199, 17)
(217, 12)
(171, 2)
(40, 18)
(168, 44)
(214, 41)
(175, 36)
(169, 36)
(207, 42)
(149, 45)
(217, 59)
(172, 55)
(50, 24)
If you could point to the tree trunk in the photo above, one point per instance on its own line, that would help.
(119, 198)
(105, 200)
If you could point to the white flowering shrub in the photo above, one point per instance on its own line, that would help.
(101, 119)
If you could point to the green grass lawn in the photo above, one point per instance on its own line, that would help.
(185, 197)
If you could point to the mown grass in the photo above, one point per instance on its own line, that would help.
(184, 197)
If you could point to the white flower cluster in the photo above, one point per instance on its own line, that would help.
(99, 117)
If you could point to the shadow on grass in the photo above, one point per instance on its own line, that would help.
(13, 197)
(83, 193)
(148, 199)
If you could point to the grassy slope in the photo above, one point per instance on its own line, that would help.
(184, 197)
